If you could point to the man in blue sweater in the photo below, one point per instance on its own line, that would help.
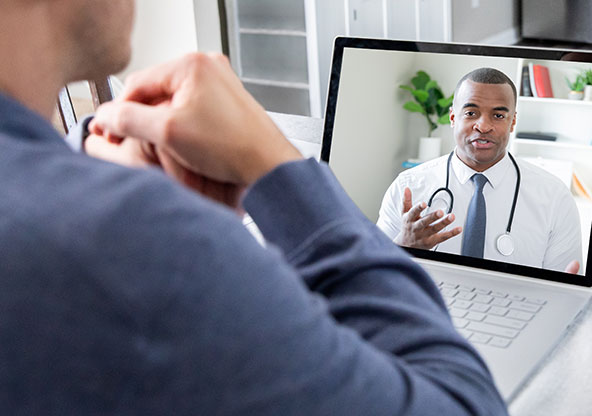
(124, 292)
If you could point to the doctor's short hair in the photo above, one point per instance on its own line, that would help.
(487, 76)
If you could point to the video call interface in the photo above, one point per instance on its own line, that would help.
(378, 150)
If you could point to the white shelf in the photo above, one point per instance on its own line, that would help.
(551, 144)
(272, 32)
(272, 83)
(559, 101)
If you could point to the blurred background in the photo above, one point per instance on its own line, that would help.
(281, 49)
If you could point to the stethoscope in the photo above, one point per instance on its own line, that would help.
(505, 242)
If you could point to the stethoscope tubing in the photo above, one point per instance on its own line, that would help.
(447, 190)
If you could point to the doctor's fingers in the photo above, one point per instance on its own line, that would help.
(446, 235)
(446, 221)
(430, 218)
(407, 200)
(415, 212)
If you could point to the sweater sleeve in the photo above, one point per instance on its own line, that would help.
(162, 302)
(371, 287)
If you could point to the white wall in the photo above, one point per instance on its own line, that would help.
(369, 136)
(207, 25)
(163, 30)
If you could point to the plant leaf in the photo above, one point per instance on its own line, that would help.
(413, 107)
(431, 84)
(420, 80)
(444, 119)
(422, 96)
(407, 88)
(445, 102)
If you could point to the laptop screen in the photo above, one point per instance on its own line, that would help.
(468, 154)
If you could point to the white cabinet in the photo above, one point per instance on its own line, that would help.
(273, 50)
(281, 49)
(366, 18)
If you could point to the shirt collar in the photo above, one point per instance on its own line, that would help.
(494, 174)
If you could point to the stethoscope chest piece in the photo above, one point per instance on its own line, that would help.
(505, 244)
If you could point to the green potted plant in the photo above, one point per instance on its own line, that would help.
(430, 102)
(576, 87)
(587, 76)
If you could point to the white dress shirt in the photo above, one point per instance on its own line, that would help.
(546, 228)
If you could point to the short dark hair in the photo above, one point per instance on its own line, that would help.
(487, 76)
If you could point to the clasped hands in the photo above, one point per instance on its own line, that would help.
(194, 119)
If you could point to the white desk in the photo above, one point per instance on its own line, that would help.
(562, 385)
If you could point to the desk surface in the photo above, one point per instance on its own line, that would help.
(562, 385)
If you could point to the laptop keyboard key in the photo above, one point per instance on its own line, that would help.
(508, 323)
(446, 285)
(500, 342)
(483, 299)
(480, 338)
(448, 301)
(463, 304)
(500, 302)
(525, 307)
(459, 322)
(516, 298)
(479, 307)
(498, 310)
(523, 316)
(458, 313)
(475, 316)
(465, 295)
(540, 302)
(499, 294)
(466, 288)
(482, 291)
(449, 292)
(491, 329)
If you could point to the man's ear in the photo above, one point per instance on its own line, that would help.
(451, 116)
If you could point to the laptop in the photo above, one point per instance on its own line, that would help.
(514, 314)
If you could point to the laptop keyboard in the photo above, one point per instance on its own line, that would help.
(486, 316)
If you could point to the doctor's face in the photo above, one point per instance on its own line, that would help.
(482, 116)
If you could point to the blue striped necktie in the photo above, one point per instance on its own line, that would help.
(474, 233)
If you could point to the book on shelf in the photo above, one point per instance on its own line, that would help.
(580, 188)
(525, 90)
(540, 81)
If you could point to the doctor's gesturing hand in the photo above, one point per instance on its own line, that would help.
(423, 232)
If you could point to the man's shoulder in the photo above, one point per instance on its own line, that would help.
(431, 168)
(544, 180)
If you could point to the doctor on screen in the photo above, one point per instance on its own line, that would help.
(479, 201)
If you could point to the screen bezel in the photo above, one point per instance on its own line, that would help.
(341, 43)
